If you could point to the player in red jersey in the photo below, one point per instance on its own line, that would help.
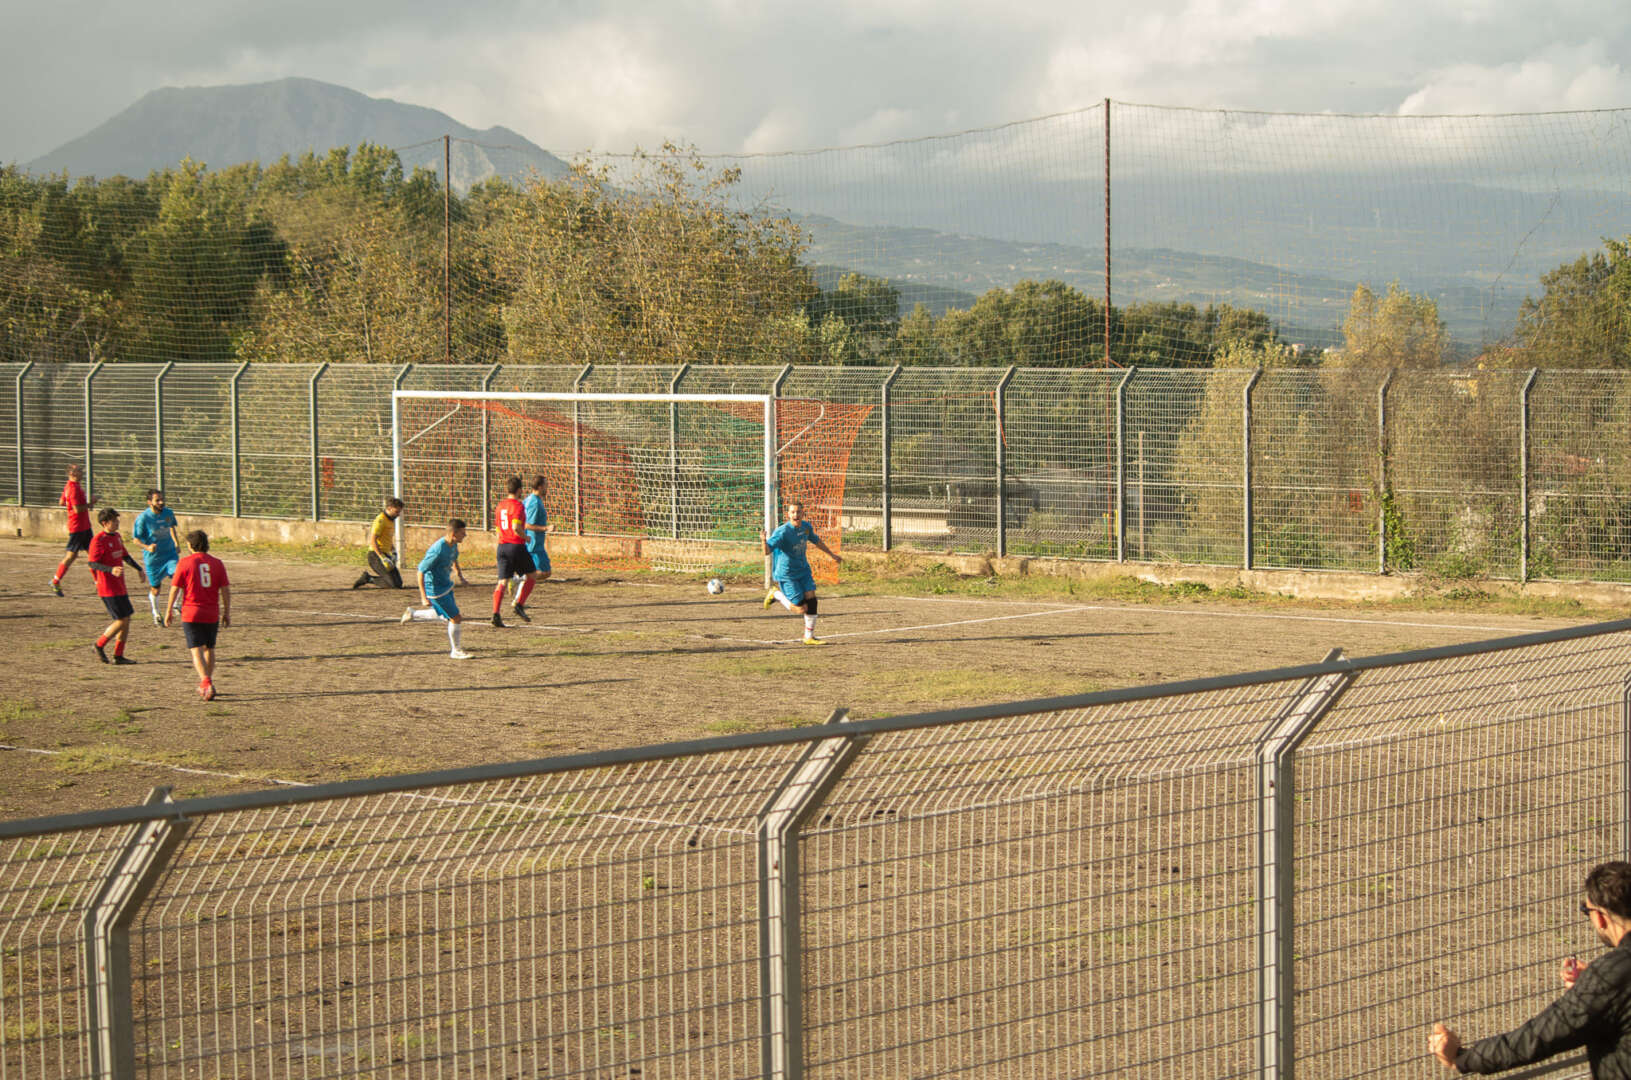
(206, 605)
(107, 557)
(510, 517)
(78, 506)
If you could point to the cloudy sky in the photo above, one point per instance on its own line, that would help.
(757, 75)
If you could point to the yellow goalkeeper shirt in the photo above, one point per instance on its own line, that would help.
(384, 533)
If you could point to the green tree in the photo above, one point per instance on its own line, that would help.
(1583, 316)
(1035, 324)
(1398, 330)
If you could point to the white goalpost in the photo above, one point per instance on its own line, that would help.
(674, 481)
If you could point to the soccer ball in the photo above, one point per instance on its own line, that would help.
(715, 586)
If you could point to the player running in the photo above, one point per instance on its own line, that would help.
(206, 606)
(538, 530)
(795, 587)
(78, 506)
(510, 518)
(106, 556)
(436, 587)
(155, 533)
(382, 555)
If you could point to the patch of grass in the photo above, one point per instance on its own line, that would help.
(319, 552)
(360, 768)
(764, 663)
(54, 645)
(947, 687)
(19, 710)
(123, 722)
(740, 725)
(106, 757)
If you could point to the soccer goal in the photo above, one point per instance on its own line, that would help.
(664, 481)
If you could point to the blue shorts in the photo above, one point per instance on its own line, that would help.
(795, 588)
(540, 559)
(158, 568)
(445, 606)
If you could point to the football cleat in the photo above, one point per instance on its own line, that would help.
(814, 641)
(521, 612)
(101, 652)
(56, 587)
(459, 654)
(407, 615)
(498, 622)
(770, 598)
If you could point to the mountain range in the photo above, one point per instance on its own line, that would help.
(1291, 244)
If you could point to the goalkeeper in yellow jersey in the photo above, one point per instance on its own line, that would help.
(382, 556)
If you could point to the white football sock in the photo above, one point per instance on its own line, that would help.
(425, 614)
(454, 633)
(782, 599)
(153, 602)
(809, 625)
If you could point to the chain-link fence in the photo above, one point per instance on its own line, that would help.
(1299, 868)
(1484, 473)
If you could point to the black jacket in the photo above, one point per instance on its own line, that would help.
(1594, 1013)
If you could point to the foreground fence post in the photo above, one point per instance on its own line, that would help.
(999, 401)
(1523, 472)
(110, 1019)
(158, 420)
(1121, 468)
(781, 946)
(1276, 862)
(1246, 469)
(22, 493)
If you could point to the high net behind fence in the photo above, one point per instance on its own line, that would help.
(1505, 474)
(1292, 869)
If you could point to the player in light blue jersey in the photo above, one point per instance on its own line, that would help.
(795, 587)
(436, 587)
(155, 533)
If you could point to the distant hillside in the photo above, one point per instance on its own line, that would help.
(225, 125)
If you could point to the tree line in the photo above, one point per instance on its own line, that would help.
(343, 257)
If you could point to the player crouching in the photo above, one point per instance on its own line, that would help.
(107, 558)
(436, 587)
(795, 586)
(206, 606)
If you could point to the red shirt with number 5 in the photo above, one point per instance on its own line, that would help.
(200, 577)
(511, 519)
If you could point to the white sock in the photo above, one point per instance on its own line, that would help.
(782, 599)
(454, 633)
(153, 602)
(809, 625)
(425, 614)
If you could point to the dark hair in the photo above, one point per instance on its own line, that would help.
(393, 503)
(198, 540)
(105, 515)
(1608, 886)
(538, 482)
(513, 484)
(152, 492)
(455, 524)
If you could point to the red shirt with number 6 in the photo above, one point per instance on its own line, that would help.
(511, 518)
(200, 577)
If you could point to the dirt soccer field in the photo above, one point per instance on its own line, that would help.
(319, 682)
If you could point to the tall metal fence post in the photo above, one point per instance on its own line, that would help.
(773, 439)
(90, 452)
(22, 473)
(1384, 496)
(1276, 864)
(396, 453)
(674, 454)
(110, 1016)
(237, 472)
(781, 945)
(486, 453)
(1121, 466)
(577, 453)
(1246, 469)
(999, 401)
(1625, 769)
(1523, 472)
(885, 496)
(316, 471)
(158, 421)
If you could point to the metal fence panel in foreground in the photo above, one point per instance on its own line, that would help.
(1239, 876)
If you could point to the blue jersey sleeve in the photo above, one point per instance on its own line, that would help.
(143, 529)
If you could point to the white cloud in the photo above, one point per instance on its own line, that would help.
(1559, 79)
